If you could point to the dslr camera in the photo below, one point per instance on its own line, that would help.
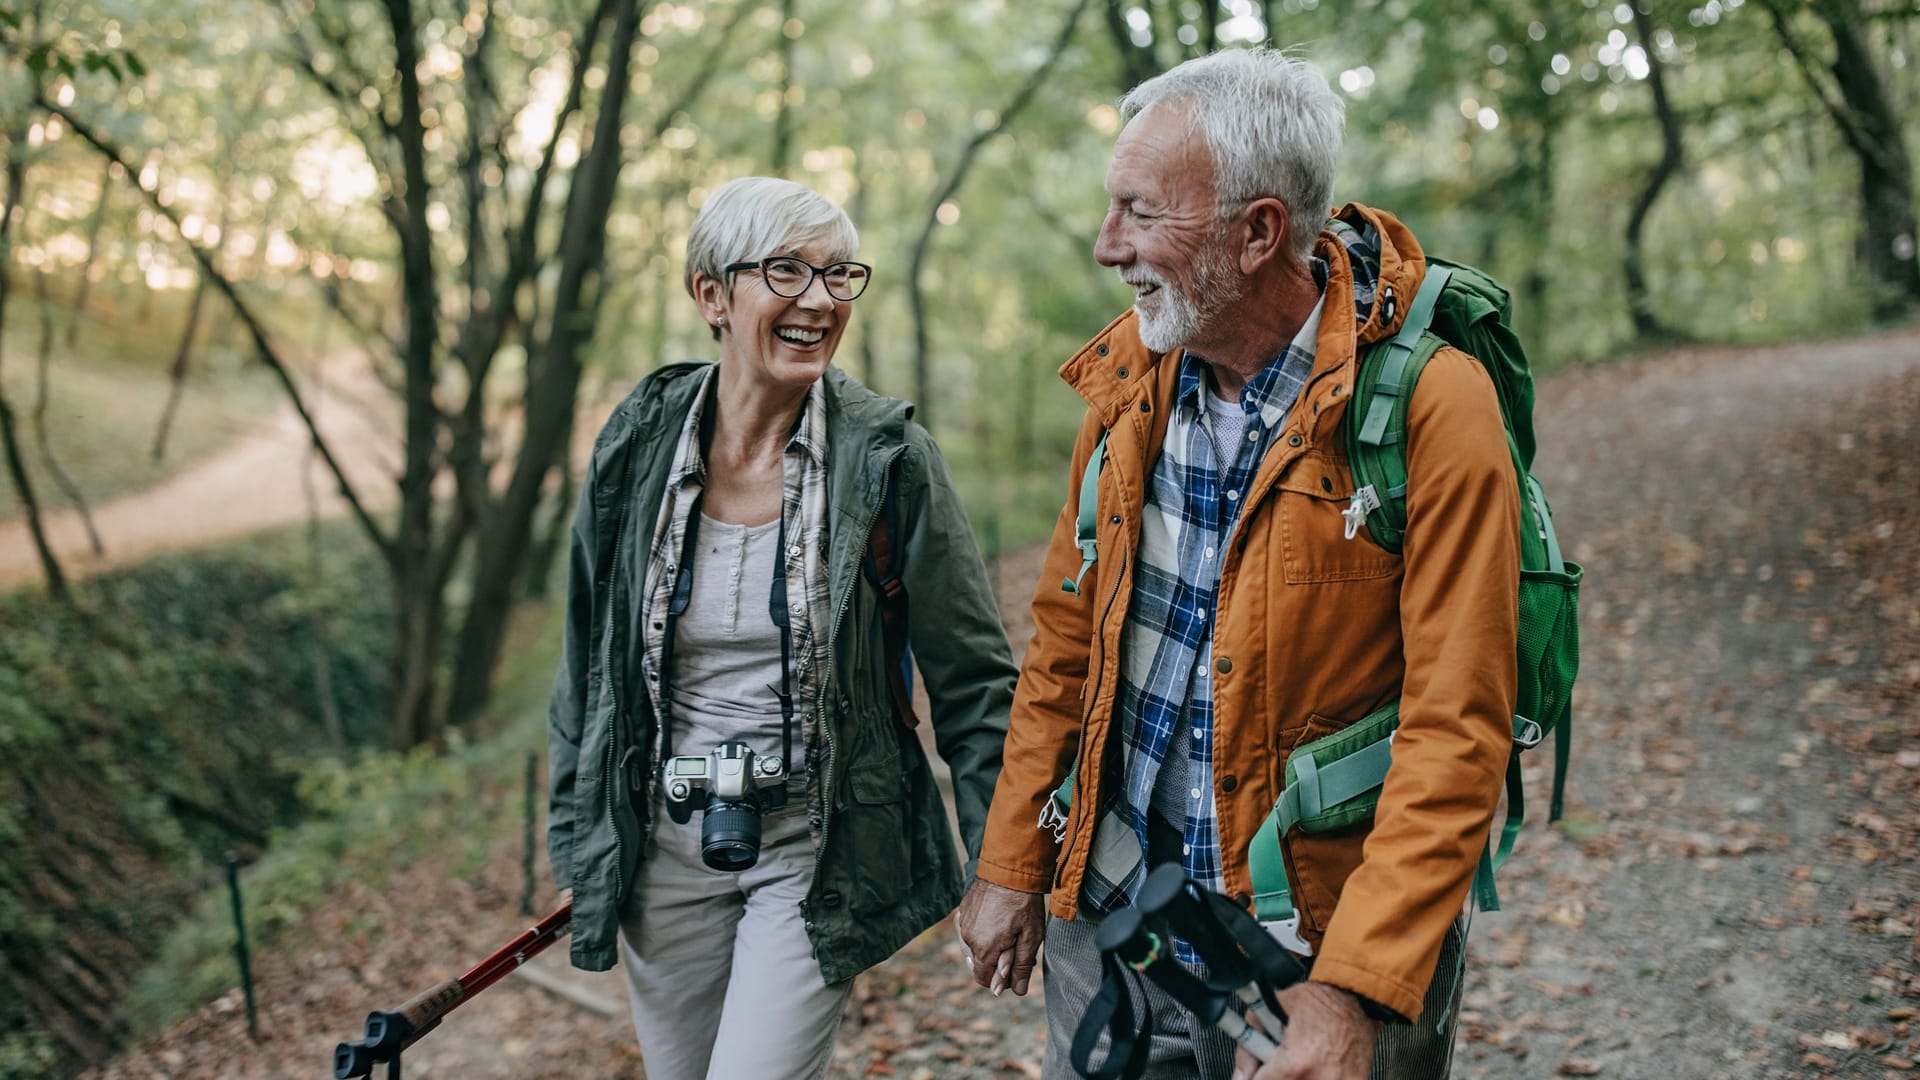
(733, 785)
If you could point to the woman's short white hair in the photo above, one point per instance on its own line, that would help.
(756, 216)
(1272, 124)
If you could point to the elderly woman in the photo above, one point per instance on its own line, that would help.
(739, 803)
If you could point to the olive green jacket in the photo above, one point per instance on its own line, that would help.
(886, 865)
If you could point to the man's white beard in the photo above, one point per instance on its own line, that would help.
(1181, 315)
(1172, 325)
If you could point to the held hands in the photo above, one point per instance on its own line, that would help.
(1001, 929)
(1327, 1038)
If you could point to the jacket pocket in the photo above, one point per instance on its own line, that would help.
(1319, 862)
(1313, 493)
(877, 852)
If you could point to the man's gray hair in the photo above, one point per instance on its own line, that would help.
(1272, 124)
(757, 216)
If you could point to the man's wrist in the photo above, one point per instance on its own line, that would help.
(1366, 1006)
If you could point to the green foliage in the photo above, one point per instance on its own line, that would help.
(1514, 134)
(28, 1055)
(64, 52)
(162, 726)
(361, 820)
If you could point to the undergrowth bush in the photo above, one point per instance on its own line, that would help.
(163, 723)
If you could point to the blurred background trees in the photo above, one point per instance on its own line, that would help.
(483, 204)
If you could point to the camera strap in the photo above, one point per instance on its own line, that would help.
(677, 604)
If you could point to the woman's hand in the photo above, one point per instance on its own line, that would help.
(1001, 929)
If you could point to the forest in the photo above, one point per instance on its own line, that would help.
(436, 240)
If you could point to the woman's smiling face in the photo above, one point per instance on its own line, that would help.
(778, 340)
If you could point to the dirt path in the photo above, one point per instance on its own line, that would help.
(264, 479)
(1735, 893)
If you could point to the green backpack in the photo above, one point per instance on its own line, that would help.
(1334, 782)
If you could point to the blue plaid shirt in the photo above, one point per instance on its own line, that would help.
(1165, 703)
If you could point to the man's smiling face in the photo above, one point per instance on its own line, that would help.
(1163, 232)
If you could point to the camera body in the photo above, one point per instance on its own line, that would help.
(733, 786)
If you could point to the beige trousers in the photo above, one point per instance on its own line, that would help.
(720, 973)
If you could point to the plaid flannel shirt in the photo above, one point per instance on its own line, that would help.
(803, 506)
(1165, 702)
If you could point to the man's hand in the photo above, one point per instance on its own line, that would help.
(1001, 926)
(1328, 1038)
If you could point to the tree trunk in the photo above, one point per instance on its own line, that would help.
(1871, 128)
(420, 609)
(553, 536)
(1889, 232)
(86, 265)
(783, 119)
(859, 208)
(922, 360)
(1647, 325)
(16, 465)
(325, 700)
(1137, 62)
(552, 385)
(42, 437)
(177, 374)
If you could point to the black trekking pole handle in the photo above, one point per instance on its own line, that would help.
(1125, 935)
(1241, 957)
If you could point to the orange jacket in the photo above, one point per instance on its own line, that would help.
(1313, 632)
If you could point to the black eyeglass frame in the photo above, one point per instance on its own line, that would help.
(812, 272)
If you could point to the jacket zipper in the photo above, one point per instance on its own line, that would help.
(1086, 711)
(611, 771)
(829, 673)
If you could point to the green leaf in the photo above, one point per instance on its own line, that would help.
(135, 65)
(37, 61)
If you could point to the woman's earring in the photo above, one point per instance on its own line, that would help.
(721, 321)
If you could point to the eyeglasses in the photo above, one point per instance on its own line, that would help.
(789, 277)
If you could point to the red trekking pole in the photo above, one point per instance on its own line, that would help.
(388, 1033)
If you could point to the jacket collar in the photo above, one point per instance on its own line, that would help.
(859, 422)
(863, 429)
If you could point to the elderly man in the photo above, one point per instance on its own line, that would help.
(1231, 617)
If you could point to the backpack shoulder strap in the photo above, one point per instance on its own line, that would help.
(883, 569)
(1377, 419)
(1084, 526)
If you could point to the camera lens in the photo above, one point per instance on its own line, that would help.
(730, 835)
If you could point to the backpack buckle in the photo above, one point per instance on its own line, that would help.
(1365, 502)
(1527, 733)
(1054, 820)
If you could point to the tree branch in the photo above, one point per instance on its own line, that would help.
(43, 395)
(709, 67)
(1857, 137)
(783, 118)
(921, 375)
(16, 171)
(268, 355)
(347, 97)
(1137, 62)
